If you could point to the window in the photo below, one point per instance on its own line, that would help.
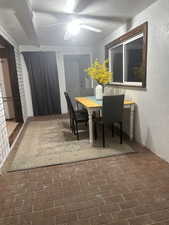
(133, 57)
(127, 58)
(117, 63)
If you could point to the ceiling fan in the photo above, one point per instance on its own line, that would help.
(74, 27)
(74, 16)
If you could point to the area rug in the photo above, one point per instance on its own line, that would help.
(51, 142)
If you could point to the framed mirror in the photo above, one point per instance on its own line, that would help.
(127, 57)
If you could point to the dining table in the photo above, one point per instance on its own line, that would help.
(93, 105)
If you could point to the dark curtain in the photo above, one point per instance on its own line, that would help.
(43, 76)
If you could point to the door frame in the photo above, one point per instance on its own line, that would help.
(14, 86)
(61, 71)
(13, 79)
(78, 76)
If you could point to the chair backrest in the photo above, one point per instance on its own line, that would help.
(69, 106)
(67, 101)
(113, 109)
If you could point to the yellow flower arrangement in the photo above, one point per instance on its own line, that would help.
(99, 72)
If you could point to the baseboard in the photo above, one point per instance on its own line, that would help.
(137, 146)
(50, 117)
(16, 141)
(14, 134)
(22, 129)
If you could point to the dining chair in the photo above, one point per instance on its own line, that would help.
(112, 112)
(76, 116)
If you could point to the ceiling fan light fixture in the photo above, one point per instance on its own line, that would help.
(74, 27)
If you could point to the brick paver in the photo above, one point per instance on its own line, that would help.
(129, 189)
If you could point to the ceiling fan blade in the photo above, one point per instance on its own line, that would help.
(90, 28)
(62, 16)
(67, 36)
(110, 19)
(83, 4)
(66, 17)
(54, 25)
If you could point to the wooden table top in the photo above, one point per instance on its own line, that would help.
(91, 102)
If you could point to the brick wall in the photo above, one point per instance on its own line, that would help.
(21, 82)
(4, 144)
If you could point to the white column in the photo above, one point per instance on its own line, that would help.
(62, 82)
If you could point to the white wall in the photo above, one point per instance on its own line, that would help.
(27, 88)
(152, 111)
(60, 52)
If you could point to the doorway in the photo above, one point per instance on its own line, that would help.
(77, 82)
(9, 88)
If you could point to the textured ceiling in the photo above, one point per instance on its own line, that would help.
(48, 28)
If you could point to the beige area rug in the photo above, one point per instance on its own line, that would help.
(51, 142)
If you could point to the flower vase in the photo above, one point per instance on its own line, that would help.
(99, 92)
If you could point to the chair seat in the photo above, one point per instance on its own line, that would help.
(82, 111)
(81, 116)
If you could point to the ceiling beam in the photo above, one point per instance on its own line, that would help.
(81, 5)
(24, 14)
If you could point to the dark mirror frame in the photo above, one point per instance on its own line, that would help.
(142, 29)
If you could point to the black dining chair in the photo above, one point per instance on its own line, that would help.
(76, 116)
(112, 112)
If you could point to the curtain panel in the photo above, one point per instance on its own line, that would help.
(44, 83)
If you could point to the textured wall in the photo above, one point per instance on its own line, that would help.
(152, 111)
(21, 82)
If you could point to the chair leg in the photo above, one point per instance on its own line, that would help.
(77, 105)
(112, 130)
(103, 136)
(71, 124)
(77, 131)
(73, 127)
(70, 119)
(121, 132)
(95, 131)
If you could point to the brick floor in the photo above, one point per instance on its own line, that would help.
(130, 189)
